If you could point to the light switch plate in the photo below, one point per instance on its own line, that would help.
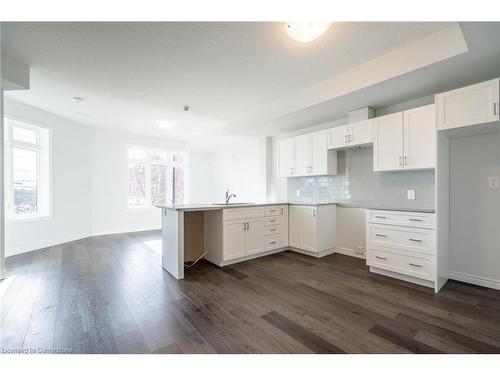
(493, 182)
(410, 194)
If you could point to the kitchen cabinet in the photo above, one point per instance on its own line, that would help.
(283, 218)
(471, 105)
(402, 243)
(388, 142)
(286, 157)
(234, 239)
(351, 135)
(312, 228)
(405, 140)
(254, 236)
(306, 155)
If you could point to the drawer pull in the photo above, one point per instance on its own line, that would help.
(376, 256)
(272, 221)
(380, 235)
(415, 220)
(272, 242)
(415, 265)
(272, 230)
(414, 240)
(381, 217)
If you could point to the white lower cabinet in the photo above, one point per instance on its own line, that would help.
(402, 243)
(312, 228)
(253, 230)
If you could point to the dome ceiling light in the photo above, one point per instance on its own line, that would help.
(306, 31)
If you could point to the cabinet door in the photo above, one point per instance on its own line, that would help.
(319, 153)
(283, 226)
(469, 105)
(308, 229)
(303, 155)
(255, 240)
(337, 137)
(294, 226)
(234, 239)
(361, 133)
(286, 157)
(420, 138)
(388, 142)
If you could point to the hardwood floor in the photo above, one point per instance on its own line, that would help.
(109, 294)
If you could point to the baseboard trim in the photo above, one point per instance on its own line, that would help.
(43, 245)
(473, 279)
(400, 276)
(76, 237)
(313, 254)
(349, 252)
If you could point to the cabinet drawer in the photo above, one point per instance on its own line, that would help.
(273, 220)
(272, 230)
(410, 219)
(272, 242)
(420, 267)
(242, 213)
(410, 239)
(272, 210)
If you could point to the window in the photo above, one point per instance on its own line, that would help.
(27, 170)
(155, 177)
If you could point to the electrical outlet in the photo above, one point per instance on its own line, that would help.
(298, 193)
(493, 182)
(410, 194)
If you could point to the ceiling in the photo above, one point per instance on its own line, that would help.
(132, 75)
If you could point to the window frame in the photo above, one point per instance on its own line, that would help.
(10, 144)
(149, 162)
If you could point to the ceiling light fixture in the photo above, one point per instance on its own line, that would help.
(77, 99)
(306, 31)
(165, 124)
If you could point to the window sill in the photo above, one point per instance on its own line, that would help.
(29, 219)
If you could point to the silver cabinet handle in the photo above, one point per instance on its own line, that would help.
(248, 226)
(350, 138)
(381, 217)
(400, 161)
(244, 226)
(495, 105)
(418, 220)
(415, 265)
(415, 240)
(376, 256)
(380, 235)
(314, 213)
(272, 221)
(345, 139)
(272, 242)
(272, 230)
(405, 160)
(281, 210)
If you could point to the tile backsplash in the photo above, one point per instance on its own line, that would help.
(356, 183)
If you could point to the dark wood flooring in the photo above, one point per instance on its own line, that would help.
(109, 294)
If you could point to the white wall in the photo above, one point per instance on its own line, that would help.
(89, 171)
(475, 209)
(109, 181)
(236, 163)
(70, 185)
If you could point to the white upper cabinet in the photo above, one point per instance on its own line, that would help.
(303, 155)
(337, 137)
(469, 105)
(419, 142)
(405, 140)
(388, 142)
(361, 133)
(286, 157)
(355, 134)
(306, 155)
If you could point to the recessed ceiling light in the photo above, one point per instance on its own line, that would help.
(165, 124)
(77, 99)
(187, 108)
(306, 31)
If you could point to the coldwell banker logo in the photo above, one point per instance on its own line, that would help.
(36, 350)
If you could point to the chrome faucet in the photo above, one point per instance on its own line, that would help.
(229, 196)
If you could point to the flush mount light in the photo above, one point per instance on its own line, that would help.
(77, 99)
(306, 31)
(165, 124)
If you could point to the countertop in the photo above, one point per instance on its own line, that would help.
(212, 206)
(346, 204)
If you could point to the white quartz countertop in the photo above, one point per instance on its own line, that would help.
(215, 206)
